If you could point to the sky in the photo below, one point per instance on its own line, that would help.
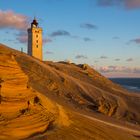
(104, 34)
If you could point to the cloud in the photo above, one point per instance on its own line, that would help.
(137, 40)
(136, 70)
(7, 32)
(132, 4)
(22, 37)
(128, 4)
(81, 57)
(129, 59)
(88, 26)
(117, 59)
(118, 69)
(49, 52)
(115, 37)
(12, 20)
(108, 2)
(60, 33)
(87, 39)
(103, 57)
(47, 40)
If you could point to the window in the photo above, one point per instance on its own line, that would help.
(36, 36)
(37, 46)
(36, 41)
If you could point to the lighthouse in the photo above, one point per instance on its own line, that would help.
(35, 40)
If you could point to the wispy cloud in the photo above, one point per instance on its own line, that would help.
(87, 39)
(115, 69)
(12, 20)
(103, 57)
(22, 37)
(129, 59)
(81, 57)
(137, 40)
(117, 59)
(60, 33)
(47, 40)
(65, 33)
(108, 2)
(128, 4)
(49, 52)
(7, 32)
(115, 37)
(88, 26)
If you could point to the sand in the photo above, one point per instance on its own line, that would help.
(47, 100)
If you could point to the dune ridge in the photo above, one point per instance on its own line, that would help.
(37, 100)
(82, 87)
(23, 110)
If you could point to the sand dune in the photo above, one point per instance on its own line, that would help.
(23, 111)
(38, 100)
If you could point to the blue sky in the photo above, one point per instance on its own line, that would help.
(103, 33)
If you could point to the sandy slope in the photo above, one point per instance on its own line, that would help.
(26, 113)
(23, 111)
(131, 130)
(82, 87)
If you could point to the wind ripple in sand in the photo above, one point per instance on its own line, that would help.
(23, 111)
